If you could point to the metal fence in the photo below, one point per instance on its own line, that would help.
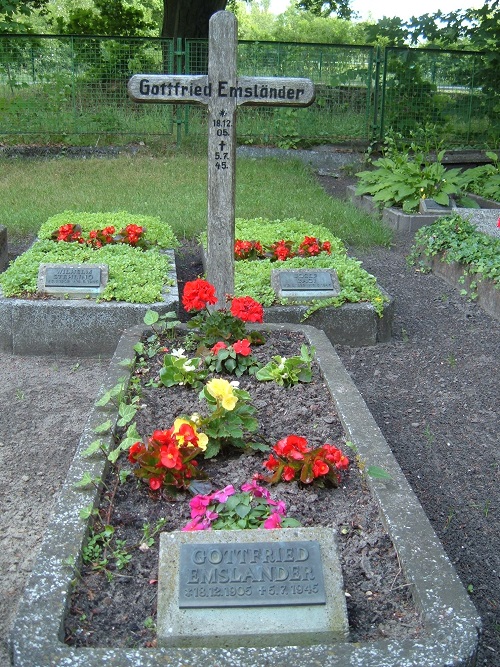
(74, 88)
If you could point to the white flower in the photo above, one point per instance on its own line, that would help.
(179, 354)
(235, 384)
(188, 366)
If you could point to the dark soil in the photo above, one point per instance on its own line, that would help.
(111, 610)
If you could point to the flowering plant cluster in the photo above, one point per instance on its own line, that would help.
(248, 249)
(227, 510)
(287, 372)
(179, 369)
(281, 250)
(293, 459)
(231, 417)
(218, 325)
(131, 235)
(235, 359)
(167, 459)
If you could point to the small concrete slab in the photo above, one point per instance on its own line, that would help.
(266, 601)
(484, 219)
(305, 284)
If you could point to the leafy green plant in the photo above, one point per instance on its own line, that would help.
(287, 372)
(231, 418)
(405, 175)
(483, 180)
(235, 359)
(458, 241)
(178, 369)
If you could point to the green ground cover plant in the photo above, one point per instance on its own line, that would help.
(460, 242)
(134, 275)
(172, 187)
(253, 278)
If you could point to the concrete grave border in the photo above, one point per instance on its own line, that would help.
(451, 623)
(75, 327)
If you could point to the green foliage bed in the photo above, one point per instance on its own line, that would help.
(135, 275)
(253, 278)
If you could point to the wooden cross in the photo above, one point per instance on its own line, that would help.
(222, 92)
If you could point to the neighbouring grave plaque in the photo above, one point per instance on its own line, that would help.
(260, 574)
(73, 280)
(305, 283)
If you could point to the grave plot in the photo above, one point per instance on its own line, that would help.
(450, 623)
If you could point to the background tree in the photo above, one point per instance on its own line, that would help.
(326, 7)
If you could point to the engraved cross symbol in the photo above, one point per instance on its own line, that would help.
(222, 92)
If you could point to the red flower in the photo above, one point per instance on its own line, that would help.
(218, 346)
(282, 250)
(247, 309)
(155, 483)
(320, 468)
(170, 457)
(271, 463)
(498, 223)
(162, 437)
(288, 473)
(293, 447)
(327, 247)
(242, 347)
(136, 449)
(197, 294)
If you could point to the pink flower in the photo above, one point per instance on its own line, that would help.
(222, 495)
(279, 505)
(198, 505)
(255, 489)
(273, 521)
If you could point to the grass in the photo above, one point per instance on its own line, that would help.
(172, 187)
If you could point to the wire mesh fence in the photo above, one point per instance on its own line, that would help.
(74, 89)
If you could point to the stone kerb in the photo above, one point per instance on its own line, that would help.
(75, 327)
(450, 623)
(393, 217)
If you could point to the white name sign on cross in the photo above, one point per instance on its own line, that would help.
(222, 92)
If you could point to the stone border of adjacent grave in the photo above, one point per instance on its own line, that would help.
(75, 327)
(488, 296)
(451, 624)
(393, 217)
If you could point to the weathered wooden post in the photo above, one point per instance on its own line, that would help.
(222, 92)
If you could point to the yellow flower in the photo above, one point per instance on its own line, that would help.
(223, 393)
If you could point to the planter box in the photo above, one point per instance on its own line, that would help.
(74, 327)
(488, 296)
(450, 623)
(393, 217)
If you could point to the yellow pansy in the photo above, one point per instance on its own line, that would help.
(223, 393)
